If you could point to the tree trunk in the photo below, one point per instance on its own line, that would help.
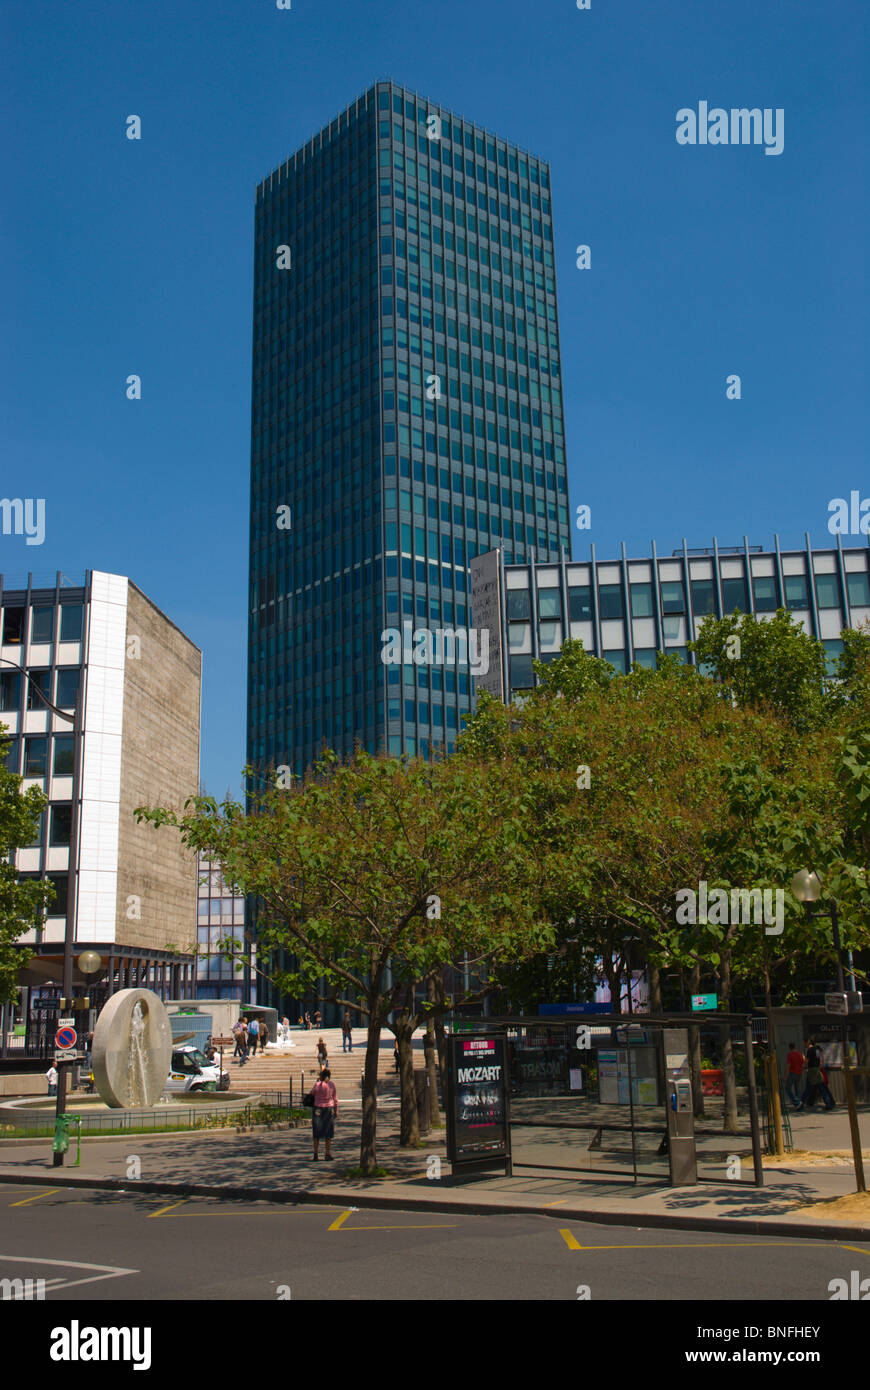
(409, 1127)
(368, 1129)
(729, 1079)
(655, 989)
(695, 1052)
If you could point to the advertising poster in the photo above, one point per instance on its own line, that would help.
(478, 1102)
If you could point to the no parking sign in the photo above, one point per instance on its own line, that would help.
(65, 1038)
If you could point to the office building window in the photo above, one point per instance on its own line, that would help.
(58, 906)
(641, 596)
(41, 624)
(10, 690)
(522, 675)
(858, 585)
(67, 686)
(37, 685)
(734, 596)
(703, 597)
(764, 593)
(610, 601)
(64, 755)
(617, 659)
(61, 822)
(796, 595)
(71, 616)
(34, 757)
(580, 603)
(673, 597)
(13, 626)
(519, 605)
(827, 591)
(549, 604)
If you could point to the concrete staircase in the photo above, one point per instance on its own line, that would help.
(272, 1070)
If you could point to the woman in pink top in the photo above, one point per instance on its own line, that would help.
(325, 1112)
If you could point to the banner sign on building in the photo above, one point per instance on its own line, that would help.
(486, 616)
(478, 1134)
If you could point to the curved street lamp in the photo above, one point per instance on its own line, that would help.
(72, 882)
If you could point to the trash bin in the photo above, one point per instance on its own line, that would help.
(421, 1089)
(61, 1134)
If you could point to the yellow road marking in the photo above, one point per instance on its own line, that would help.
(569, 1240)
(171, 1207)
(556, 1203)
(24, 1203)
(339, 1221)
(857, 1248)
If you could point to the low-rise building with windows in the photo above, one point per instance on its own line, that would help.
(139, 677)
(629, 609)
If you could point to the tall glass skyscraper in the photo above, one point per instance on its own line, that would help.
(406, 416)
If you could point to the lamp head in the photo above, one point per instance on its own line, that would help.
(806, 886)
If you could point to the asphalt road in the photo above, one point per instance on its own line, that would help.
(102, 1246)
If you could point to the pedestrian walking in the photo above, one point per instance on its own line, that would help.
(396, 1055)
(795, 1064)
(263, 1035)
(253, 1035)
(51, 1078)
(318, 1018)
(240, 1033)
(815, 1081)
(325, 1113)
(346, 1032)
(308, 1021)
(322, 1056)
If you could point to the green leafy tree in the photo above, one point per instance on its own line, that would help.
(770, 663)
(377, 876)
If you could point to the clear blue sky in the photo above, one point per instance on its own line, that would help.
(122, 257)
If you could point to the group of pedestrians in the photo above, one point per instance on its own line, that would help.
(248, 1035)
(806, 1077)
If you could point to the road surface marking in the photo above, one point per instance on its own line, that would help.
(339, 1221)
(105, 1271)
(429, 1226)
(569, 1240)
(171, 1207)
(859, 1250)
(24, 1203)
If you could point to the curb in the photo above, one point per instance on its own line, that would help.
(343, 1196)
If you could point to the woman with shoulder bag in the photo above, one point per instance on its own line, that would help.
(325, 1112)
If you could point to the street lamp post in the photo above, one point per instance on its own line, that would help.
(807, 888)
(72, 874)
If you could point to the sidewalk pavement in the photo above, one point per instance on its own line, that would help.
(276, 1165)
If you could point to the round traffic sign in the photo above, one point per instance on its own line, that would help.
(65, 1037)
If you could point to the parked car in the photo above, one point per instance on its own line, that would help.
(191, 1070)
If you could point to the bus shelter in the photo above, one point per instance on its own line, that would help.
(631, 1098)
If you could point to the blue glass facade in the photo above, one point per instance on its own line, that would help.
(406, 416)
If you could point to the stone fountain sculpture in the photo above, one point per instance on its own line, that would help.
(132, 1049)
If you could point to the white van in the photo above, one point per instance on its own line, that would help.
(191, 1070)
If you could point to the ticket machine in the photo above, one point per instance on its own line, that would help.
(679, 1109)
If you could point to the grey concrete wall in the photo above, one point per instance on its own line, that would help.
(157, 877)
